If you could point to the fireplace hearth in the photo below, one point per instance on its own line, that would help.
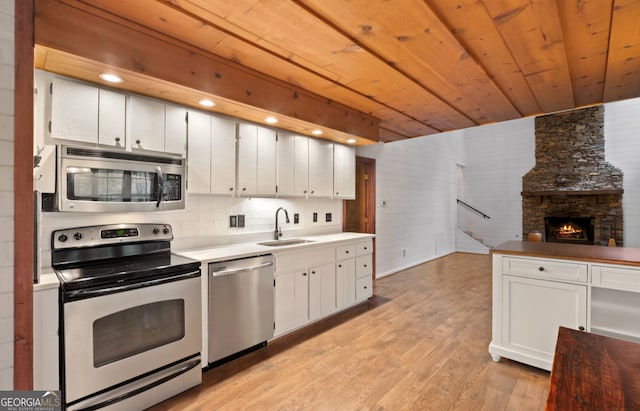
(573, 230)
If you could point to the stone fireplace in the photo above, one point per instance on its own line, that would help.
(572, 182)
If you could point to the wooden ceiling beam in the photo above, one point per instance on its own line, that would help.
(77, 32)
(623, 65)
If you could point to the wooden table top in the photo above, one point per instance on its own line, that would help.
(593, 372)
(591, 253)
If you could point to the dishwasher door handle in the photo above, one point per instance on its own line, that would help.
(241, 269)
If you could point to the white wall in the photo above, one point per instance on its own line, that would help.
(416, 199)
(7, 87)
(205, 221)
(622, 149)
(496, 157)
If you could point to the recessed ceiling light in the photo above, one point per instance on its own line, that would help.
(352, 141)
(316, 132)
(206, 102)
(271, 120)
(111, 78)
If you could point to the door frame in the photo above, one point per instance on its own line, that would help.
(370, 204)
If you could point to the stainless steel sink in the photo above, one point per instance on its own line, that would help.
(280, 243)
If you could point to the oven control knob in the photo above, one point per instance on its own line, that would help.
(165, 230)
(78, 236)
(155, 230)
(62, 238)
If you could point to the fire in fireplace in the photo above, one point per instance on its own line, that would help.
(575, 230)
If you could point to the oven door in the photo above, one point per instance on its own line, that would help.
(113, 338)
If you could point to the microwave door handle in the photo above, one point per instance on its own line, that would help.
(160, 186)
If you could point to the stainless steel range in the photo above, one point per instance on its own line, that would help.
(130, 316)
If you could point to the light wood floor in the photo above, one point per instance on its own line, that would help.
(420, 343)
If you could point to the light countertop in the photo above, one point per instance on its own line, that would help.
(232, 251)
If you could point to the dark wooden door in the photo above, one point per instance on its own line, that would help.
(359, 214)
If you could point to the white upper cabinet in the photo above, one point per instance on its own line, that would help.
(111, 118)
(344, 171)
(175, 129)
(256, 161)
(301, 166)
(292, 160)
(320, 168)
(74, 111)
(199, 154)
(223, 156)
(146, 124)
(285, 163)
(212, 152)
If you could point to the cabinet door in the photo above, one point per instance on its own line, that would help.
(199, 155)
(300, 298)
(266, 163)
(320, 168)
(74, 111)
(345, 283)
(175, 130)
(301, 166)
(247, 158)
(344, 171)
(533, 311)
(111, 116)
(146, 123)
(223, 155)
(364, 288)
(284, 305)
(322, 291)
(285, 164)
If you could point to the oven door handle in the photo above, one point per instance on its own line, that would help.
(186, 367)
(241, 269)
(82, 294)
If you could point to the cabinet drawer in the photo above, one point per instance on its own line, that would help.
(365, 247)
(364, 288)
(302, 260)
(545, 268)
(616, 277)
(345, 251)
(364, 266)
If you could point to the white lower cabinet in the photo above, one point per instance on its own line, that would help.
(313, 284)
(533, 297)
(533, 310)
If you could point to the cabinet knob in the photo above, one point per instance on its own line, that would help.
(337, 192)
(347, 251)
(137, 141)
(312, 191)
(304, 274)
(365, 287)
(117, 139)
(313, 272)
(244, 188)
(339, 265)
(581, 328)
(541, 268)
(365, 266)
(305, 192)
(230, 188)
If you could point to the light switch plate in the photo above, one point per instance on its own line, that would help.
(240, 220)
(233, 221)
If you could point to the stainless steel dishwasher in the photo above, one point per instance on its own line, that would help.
(240, 305)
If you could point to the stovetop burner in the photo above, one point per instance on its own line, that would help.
(100, 257)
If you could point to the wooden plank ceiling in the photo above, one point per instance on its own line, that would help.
(376, 69)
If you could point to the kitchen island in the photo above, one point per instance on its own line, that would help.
(538, 287)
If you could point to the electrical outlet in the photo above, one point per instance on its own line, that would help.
(240, 220)
(315, 217)
(296, 218)
(327, 217)
(233, 221)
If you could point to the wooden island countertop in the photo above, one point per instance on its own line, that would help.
(593, 372)
(591, 253)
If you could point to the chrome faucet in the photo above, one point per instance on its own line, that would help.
(278, 232)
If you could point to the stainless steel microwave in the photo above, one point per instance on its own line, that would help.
(102, 180)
